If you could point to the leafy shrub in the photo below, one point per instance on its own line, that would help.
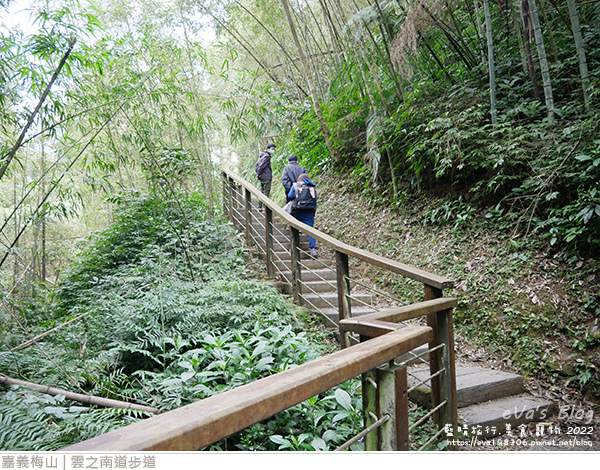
(170, 318)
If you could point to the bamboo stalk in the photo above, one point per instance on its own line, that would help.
(92, 400)
(8, 157)
(28, 343)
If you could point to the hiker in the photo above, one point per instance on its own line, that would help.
(264, 172)
(304, 194)
(291, 173)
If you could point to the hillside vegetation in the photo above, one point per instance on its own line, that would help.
(520, 307)
(167, 315)
(469, 129)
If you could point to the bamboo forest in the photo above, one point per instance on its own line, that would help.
(456, 137)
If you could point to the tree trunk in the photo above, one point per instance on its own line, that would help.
(8, 157)
(519, 33)
(491, 62)
(311, 83)
(541, 48)
(43, 254)
(527, 33)
(583, 69)
(479, 28)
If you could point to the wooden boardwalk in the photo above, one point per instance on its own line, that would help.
(489, 402)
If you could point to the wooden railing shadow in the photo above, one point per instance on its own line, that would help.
(381, 357)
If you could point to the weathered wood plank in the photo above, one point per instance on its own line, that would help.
(368, 328)
(396, 315)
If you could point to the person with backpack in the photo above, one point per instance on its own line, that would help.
(303, 193)
(264, 172)
(291, 173)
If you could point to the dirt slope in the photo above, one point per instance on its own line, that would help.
(521, 308)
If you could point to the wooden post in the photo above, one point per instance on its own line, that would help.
(224, 181)
(434, 357)
(392, 388)
(296, 266)
(343, 289)
(369, 399)
(385, 392)
(443, 386)
(229, 199)
(237, 205)
(248, 216)
(269, 241)
(448, 414)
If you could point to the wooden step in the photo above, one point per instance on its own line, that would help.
(473, 385)
(492, 418)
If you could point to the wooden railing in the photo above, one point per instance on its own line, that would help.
(207, 421)
(238, 197)
(379, 357)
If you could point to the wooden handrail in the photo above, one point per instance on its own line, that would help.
(436, 308)
(433, 280)
(200, 424)
(407, 312)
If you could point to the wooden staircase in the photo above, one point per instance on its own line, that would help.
(319, 288)
(490, 402)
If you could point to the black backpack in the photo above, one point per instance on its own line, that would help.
(305, 197)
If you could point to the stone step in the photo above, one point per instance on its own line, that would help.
(313, 275)
(330, 300)
(308, 264)
(473, 385)
(492, 418)
(319, 286)
(280, 229)
(279, 239)
(304, 254)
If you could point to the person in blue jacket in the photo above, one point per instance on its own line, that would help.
(304, 195)
(291, 173)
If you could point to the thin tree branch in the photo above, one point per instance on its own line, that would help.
(19, 141)
(92, 400)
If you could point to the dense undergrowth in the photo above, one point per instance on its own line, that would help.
(510, 209)
(529, 174)
(171, 316)
(522, 305)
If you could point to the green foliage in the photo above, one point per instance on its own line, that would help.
(45, 423)
(154, 334)
(321, 423)
(307, 142)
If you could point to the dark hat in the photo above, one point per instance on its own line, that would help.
(293, 158)
(271, 145)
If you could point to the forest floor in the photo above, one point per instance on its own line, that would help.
(499, 278)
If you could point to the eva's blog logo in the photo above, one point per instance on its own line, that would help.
(571, 412)
(529, 414)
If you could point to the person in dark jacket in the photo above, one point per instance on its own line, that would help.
(306, 216)
(264, 172)
(291, 173)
